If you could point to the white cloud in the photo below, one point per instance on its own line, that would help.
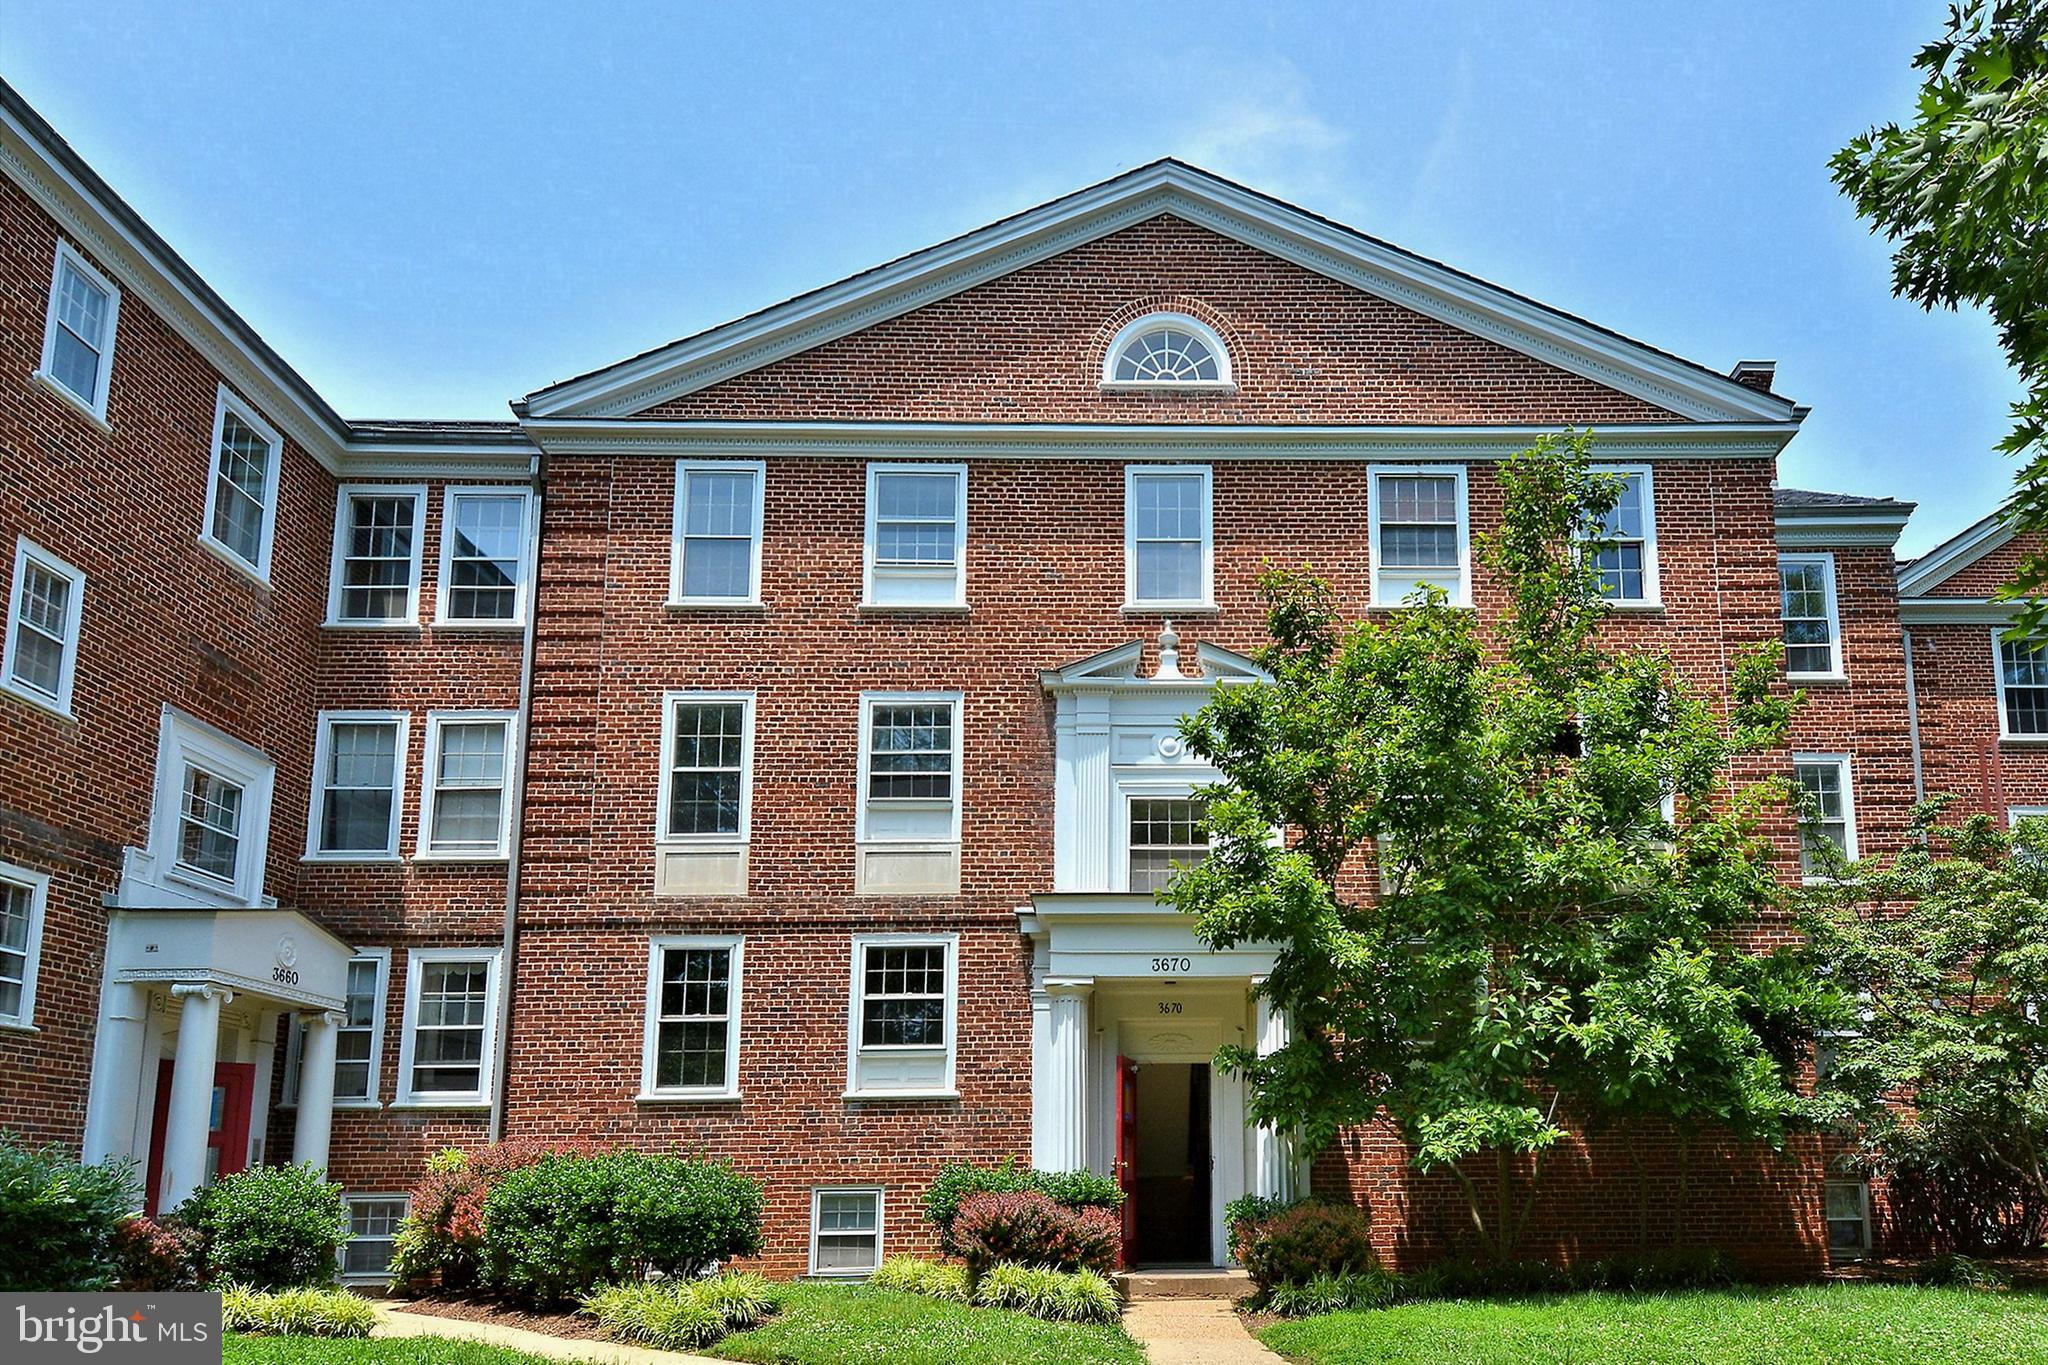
(1263, 130)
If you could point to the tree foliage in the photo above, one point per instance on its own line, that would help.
(1939, 963)
(1962, 194)
(1485, 919)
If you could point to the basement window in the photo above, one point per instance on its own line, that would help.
(1848, 1213)
(846, 1231)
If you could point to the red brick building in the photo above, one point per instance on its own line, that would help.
(765, 745)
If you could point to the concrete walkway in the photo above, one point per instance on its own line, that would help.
(392, 1323)
(1193, 1332)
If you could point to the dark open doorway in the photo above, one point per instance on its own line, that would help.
(1172, 1163)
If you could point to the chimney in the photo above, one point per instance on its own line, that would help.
(1755, 374)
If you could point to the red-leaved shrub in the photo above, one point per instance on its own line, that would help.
(155, 1257)
(442, 1237)
(1297, 1244)
(1028, 1228)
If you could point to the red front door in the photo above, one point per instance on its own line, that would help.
(1127, 1152)
(227, 1130)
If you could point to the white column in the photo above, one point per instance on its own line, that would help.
(116, 1072)
(1273, 1165)
(316, 1089)
(1062, 1092)
(191, 1107)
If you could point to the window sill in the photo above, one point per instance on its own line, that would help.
(74, 402)
(913, 609)
(375, 627)
(1410, 606)
(1169, 609)
(870, 1096)
(462, 1106)
(354, 859)
(1635, 608)
(742, 605)
(46, 705)
(11, 1026)
(256, 576)
(1824, 678)
(669, 1097)
(2023, 740)
(457, 859)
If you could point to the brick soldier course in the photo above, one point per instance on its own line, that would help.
(1348, 361)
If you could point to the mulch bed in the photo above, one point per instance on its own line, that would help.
(575, 1326)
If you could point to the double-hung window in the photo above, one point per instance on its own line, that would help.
(846, 1231)
(1827, 818)
(1169, 540)
(717, 554)
(358, 784)
(211, 827)
(24, 897)
(1420, 534)
(465, 806)
(709, 753)
(1626, 557)
(446, 1055)
(916, 539)
(241, 489)
(483, 557)
(1813, 627)
(2022, 687)
(1166, 834)
(1848, 1215)
(78, 332)
(692, 1044)
(378, 533)
(43, 615)
(373, 1221)
(358, 1039)
(904, 993)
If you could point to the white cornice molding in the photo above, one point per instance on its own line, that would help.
(1956, 611)
(1111, 441)
(1842, 530)
(1952, 556)
(1284, 232)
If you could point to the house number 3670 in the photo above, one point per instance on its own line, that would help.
(1173, 964)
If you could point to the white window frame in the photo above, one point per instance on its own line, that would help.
(93, 405)
(227, 401)
(27, 552)
(868, 702)
(415, 959)
(956, 570)
(2006, 734)
(684, 468)
(1134, 792)
(316, 806)
(523, 593)
(855, 998)
(735, 945)
(1653, 585)
(37, 884)
(295, 1043)
(1150, 322)
(351, 1199)
(881, 1211)
(1862, 1188)
(665, 793)
(1373, 474)
(1846, 769)
(343, 521)
(1156, 605)
(430, 784)
(185, 741)
(1837, 671)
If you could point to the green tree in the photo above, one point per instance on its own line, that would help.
(1485, 920)
(1962, 194)
(1939, 958)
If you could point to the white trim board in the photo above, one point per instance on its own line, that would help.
(1195, 196)
(1955, 554)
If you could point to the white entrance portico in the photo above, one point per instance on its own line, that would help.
(1128, 1006)
(190, 1002)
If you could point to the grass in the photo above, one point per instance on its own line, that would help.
(240, 1350)
(831, 1323)
(1868, 1324)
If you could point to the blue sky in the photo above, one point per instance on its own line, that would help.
(432, 208)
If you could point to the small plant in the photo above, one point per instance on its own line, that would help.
(59, 1218)
(933, 1279)
(295, 1312)
(1241, 1213)
(681, 1315)
(1069, 1189)
(1029, 1228)
(1297, 1244)
(1956, 1271)
(1373, 1288)
(155, 1256)
(273, 1227)
(1058, 1296)
(1657, 1272)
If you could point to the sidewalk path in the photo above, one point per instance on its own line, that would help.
(1193, 1332)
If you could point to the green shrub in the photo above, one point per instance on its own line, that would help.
(295, 1312)
(1656, 1272)
(1956, 1271)
(441, 1240)
(681, 1315)
(933, 1279)
(1373, 1288)
(59, 1218)
(1069, 1189)
(1056, 1295)
(1297, 1244)
(155, 1256)
(1240, 1213)
(558, 1228)
(1030, 1229)
(273, 1227)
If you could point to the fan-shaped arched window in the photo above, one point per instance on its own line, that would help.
(1167, 350)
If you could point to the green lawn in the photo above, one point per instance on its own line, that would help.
(1865, 1324)
(239, 1350)
(823, 1324)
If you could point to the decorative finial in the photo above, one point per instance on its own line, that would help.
(1169, 653)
